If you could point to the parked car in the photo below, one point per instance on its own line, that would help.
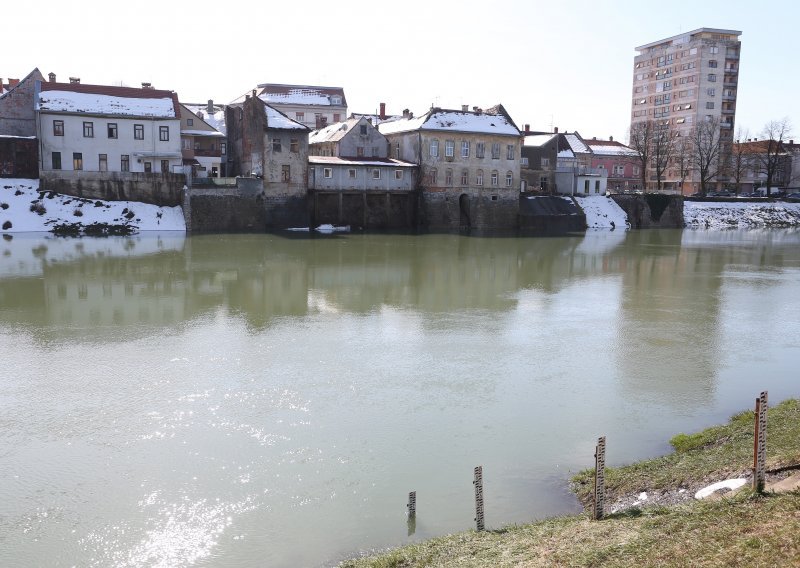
(793, 196)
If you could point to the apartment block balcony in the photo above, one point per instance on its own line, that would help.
(730, 82)
(731, 110)
(728, 97)
(724, 124)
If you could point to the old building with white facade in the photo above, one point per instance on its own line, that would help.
(203, 147)
(312, 106)
(469, 165)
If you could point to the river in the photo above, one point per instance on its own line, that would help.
(242, 400)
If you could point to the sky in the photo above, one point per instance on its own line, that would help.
(566, 64)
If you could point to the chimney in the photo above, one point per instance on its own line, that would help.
(51, 77)
(147, 85)
(76, 80)
(555, 130)
(406, 113)
(464, 108)
(594, 137)
(791, 142)
(210, 107)
(12, 83)
(382, 115)
(1, 84)
(527, 128)
(254, 93)
(610, 138)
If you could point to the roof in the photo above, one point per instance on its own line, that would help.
(537, 140)
(687, 36)
(102, 99)
(7, 88)
(576, 143)
(761, 146)
(334, 132)
(455, 121)
(215, 120)
(337, 161)
(610, 148)
(277, 120)
(375, 119)
(273, 93)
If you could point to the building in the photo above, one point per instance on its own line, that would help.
(750, 173)
(312, 106)
(469, 165)
(574, 174)
(17, 117)
(620, 161)
(109, 142)
(353, 138)
(538, 163)
(684, 79)
(203, 146)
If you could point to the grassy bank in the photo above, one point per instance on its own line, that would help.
(746, 530)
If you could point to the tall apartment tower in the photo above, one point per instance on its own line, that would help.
(684, 79)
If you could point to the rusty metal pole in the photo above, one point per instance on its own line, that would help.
(760, 443)
(599, 478)
(478, 482)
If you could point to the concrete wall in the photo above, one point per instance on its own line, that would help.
(226, 213)
(644, 211)
(158, 189)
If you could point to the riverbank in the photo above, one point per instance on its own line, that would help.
(743, 530)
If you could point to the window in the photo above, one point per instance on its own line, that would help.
(300, 116)
(713, 49)
(360, 151)
(398, 174)
(434, 149)
(362, 130)
(223, 147)
(495, 151)
(294, 145)
(543, 183)
(163, 133)
(480, 149)
(102, 161)
(397, 150)
(710, 104)
(336, 99)
(138, 131)
(148, 167)
(328, 173)
(189, 122)
(597, 186)
(125, 163)
(523, 161)
(711, 92)
(449, 148)
(586, 186)
(465, 149)
(164, 166)
(112, 129)
(376, 174)
(510, 152)
(351, 173)
(494, 177)
(545, 162)
(448, 177)
(712, 78)
(276, 144)
(336, 117)
(77, 161)
(693, 51)
(464, 177)
(479, 178)
(712, 62)
(286, 173)
(56, 160)
(58, 128)
(88, 129)
(374, 152)
(509, 179)
(433, 177)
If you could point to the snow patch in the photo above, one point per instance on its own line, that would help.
(603, 213)
(702, 214)
(729, 484)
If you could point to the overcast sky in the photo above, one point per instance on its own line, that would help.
(566, 64)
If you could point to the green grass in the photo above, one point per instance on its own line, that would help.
(745, 530)
(712, 454)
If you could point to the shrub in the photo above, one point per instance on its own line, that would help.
(77, 212)
(6, 225)
(38, 208)
(130, 215)
(4, 205)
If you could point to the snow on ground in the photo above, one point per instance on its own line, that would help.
(18, 196)
(602, 212)
(703, 214)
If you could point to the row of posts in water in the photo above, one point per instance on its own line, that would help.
(598, 509)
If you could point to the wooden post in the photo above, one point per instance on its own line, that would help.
(412, 505)
(599, 478)
(760, 443)
(478, 482)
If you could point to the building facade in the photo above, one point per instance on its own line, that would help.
(469, 166)
(682, 80)
(313, 106)
(203, 147)
(353, 138)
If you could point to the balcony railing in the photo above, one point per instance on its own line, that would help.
(207, 153)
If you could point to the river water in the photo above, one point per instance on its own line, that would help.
(246, 400)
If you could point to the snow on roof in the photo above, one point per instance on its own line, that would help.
(538, 139)
(576, 144)
(453, 120)
(276, 119)
(100, 99)
(335, 160)
(609, 150)
(216, 120)
(301, 95)
(203, 133)
(332, 133)
(565, 154)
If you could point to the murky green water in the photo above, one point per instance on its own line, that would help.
(270, 401)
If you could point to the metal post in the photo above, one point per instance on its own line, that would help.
(412, 504)
(760, 443)
(478, 482)
(599, 478)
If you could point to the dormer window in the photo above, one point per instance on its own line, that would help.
(336, 100)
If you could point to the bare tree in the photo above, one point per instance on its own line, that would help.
(682, 159)
(662, 148)
(773, 158)
(737, 164)
(640, 142)
(707, 151)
